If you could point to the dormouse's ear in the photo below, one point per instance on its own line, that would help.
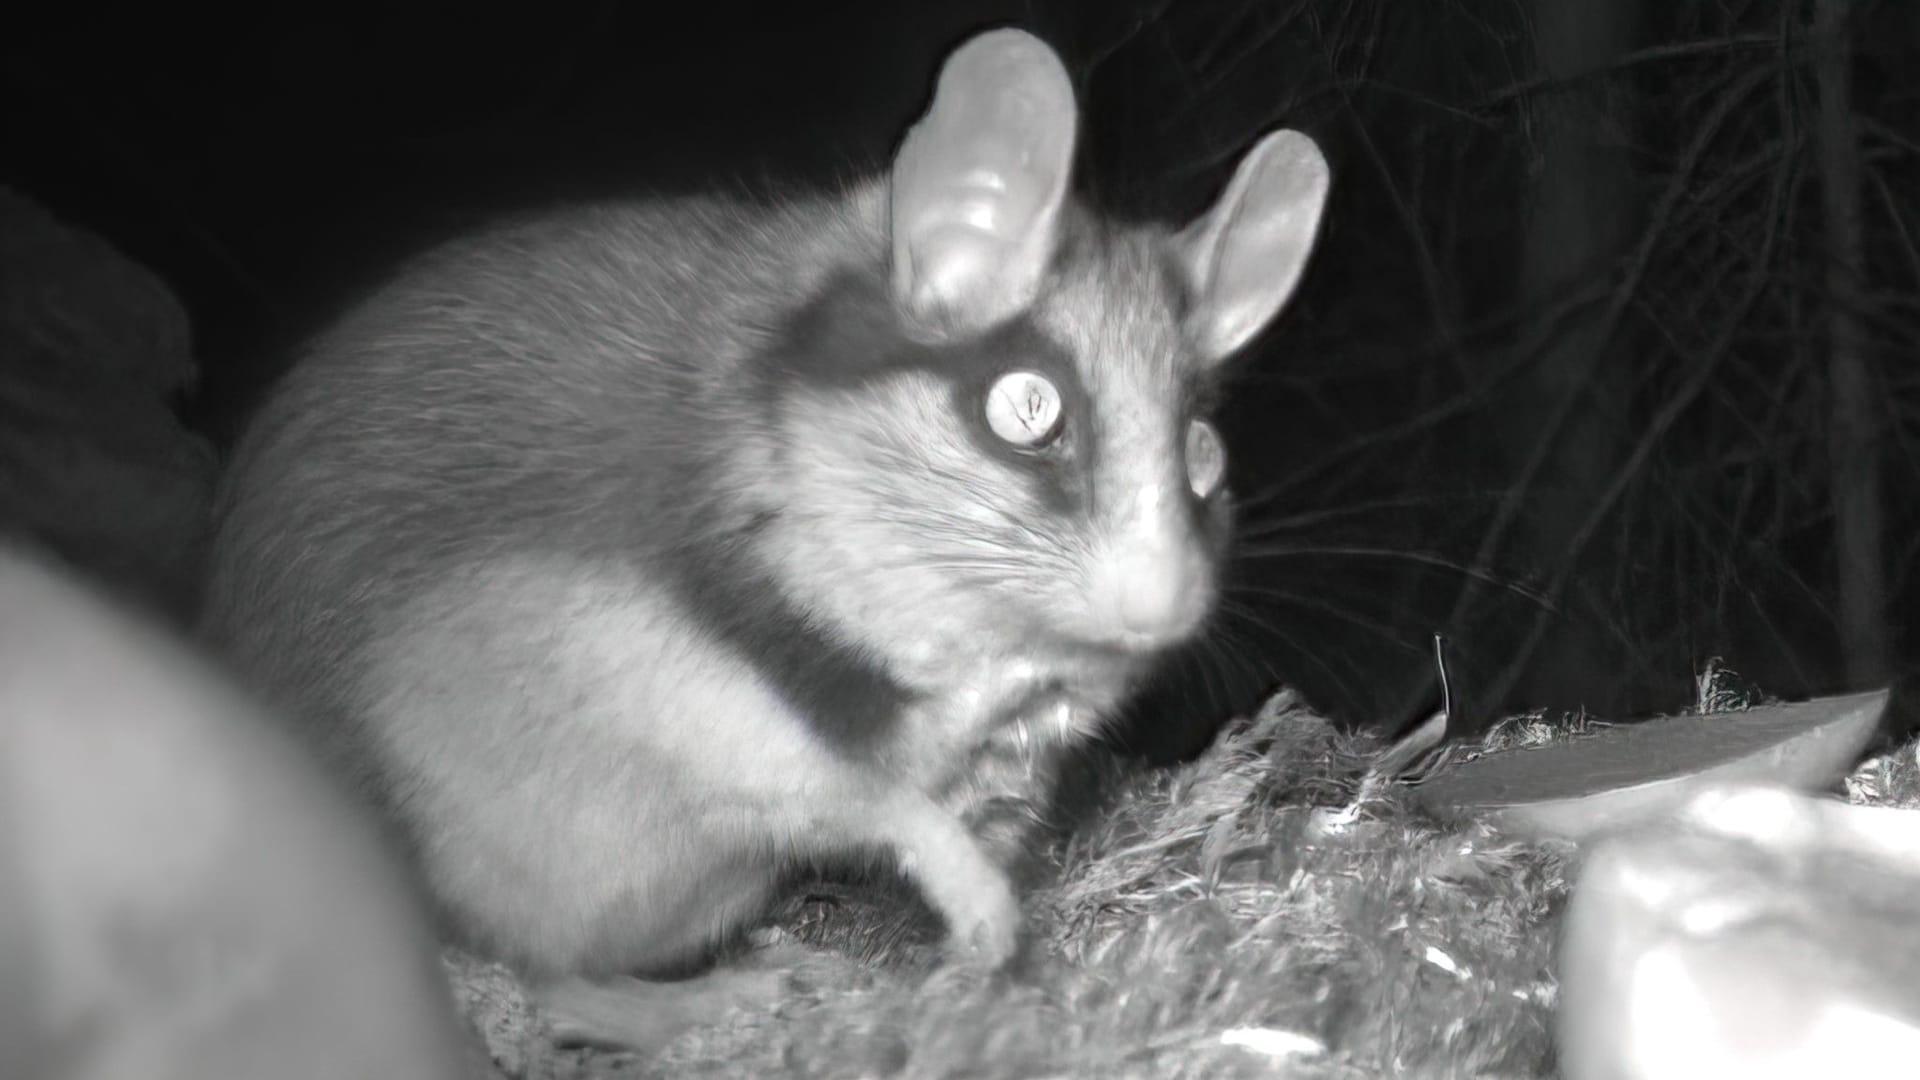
(979, 183)
(1244, 256)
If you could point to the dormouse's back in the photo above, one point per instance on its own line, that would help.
(533, 378)
(566, 320)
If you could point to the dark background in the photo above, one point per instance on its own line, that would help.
(1604, 359)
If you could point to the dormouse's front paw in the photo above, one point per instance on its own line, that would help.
(971, 892)
(986, 931)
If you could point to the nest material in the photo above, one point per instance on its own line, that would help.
(1247, 914)
(1252, 913)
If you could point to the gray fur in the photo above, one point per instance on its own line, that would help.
(622, 583)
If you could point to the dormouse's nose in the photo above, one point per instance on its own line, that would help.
(1162, 597)
(1155, 581)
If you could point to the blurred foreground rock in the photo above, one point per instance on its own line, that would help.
(1765, 933)
(184, 894)
(95, 464)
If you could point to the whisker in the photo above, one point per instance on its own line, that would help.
(1262, 526)
(1337, 611)
(1247, 613)
(1348, 687)
(1228, 646)
(1422, 558)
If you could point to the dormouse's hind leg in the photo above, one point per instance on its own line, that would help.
(630, 1013)
(935, 851)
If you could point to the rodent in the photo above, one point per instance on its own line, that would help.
(184, 895)
(629, 554)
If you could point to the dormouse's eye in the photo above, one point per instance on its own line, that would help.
(1023, 407)
(1206, 458)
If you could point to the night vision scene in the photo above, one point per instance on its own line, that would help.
(1267, 538)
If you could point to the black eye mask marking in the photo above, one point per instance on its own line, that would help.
(851, 335)
(1062, 468)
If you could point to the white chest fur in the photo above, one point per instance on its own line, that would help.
(970, 692)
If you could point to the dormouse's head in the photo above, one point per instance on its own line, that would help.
(1004, 428)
